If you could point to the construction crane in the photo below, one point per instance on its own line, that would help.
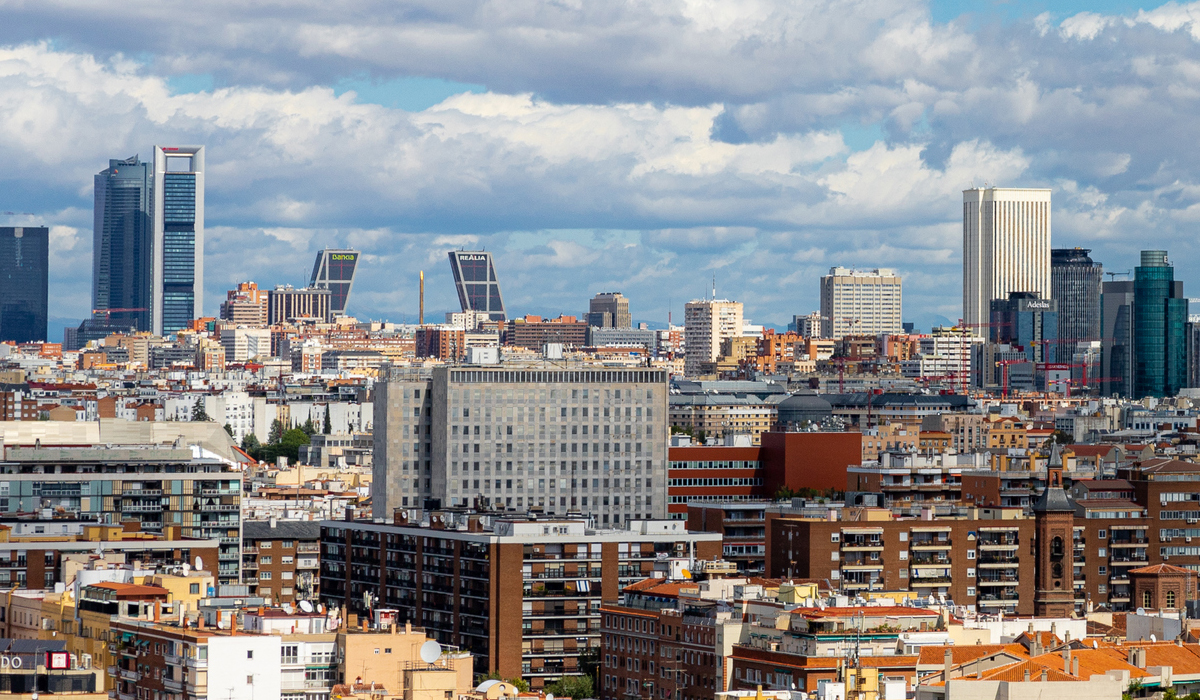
(109, 312)
(17, 213)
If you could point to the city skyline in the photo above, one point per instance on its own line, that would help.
(715, 165)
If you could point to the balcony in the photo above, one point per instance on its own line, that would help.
(172, 659)
(308, 548)
(131, 676)
(172, 684)
(140, 492)
(930, 545)
(862, 546)
(142, 508)
(862, 566)
(929, 581)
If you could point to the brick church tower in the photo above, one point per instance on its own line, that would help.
(1054, 520)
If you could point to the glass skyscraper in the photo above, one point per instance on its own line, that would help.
(1075, 284)
(334, 270)
(178, 237)
(1159, 317)
(475, 278)
(122, 243)
(24, 267)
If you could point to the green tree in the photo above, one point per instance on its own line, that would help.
(229, 429)
(327, 428)
(198, 412)
(1060, 438)
(289, 444)
(308, 427)
(276, 433)
(589, 664)
(250, 444)
(574, 687)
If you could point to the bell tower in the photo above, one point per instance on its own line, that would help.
(1054, 521)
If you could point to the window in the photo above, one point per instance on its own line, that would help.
(970, 573)
(264, 575)
(249, 653)
(1170, 596)
(287, 544)
(1102, 534)
(194, 589)
(1102, 552)
(264, 560)
(1147, 599)
(970, 554)
(264, 545)
(970, 590)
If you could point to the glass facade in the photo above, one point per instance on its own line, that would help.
(334, 270)
(1075, 284)
(478, 288)
(1159, 315)
(122, 270)
(24, 256)
(179, 250)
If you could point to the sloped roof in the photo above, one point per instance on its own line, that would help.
(964, 653)
(1094, 662)
(1161, 569)
(1016, 672)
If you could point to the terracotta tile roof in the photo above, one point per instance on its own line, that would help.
(130, 589)
(1016, 672)
(1182, 659)
(1044, 639)
(1093, 662)
(1162, 569)
(960, 654)
(1091, 450)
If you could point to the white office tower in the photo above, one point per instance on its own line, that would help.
(178, 285)
(1006, 248)
(706, 322)
(860, 302)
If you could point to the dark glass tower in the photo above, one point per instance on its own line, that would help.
(1116, 338)
(122, 242)
(1159, 318)
(24, 267)
(1075, 284)
(475, 278)
(178, 237)
(334, 270)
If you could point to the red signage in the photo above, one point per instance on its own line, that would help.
(58, 661)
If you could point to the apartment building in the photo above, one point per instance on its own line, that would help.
(721, 415)
(560, 440)
(706, 323)
(860, 302)
(281, 559)
(172, 493)
(474, 583)
(980, 559)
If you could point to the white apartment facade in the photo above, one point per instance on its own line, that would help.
(860, 302)
(1006, 248)
(706, 322)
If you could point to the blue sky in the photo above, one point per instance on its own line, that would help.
(640, 147)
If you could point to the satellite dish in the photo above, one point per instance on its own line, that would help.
(306, 606)
(1141, 611)
(1095, 644)
(431, 651)
(186, 567)
(1153, 638)
(321, 608)
(549, 696)
(199, 564)
(287, 608)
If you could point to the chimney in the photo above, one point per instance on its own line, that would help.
(1044, 675)
(273, 522)
(949, 660)
(1075, 667)
(1066, 659)
(157, 611)
(1054, 628)
(408, 627)
(1027, 675)
(200, 622)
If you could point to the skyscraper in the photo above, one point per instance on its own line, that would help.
(706, 322)
(1159, 318)
(860, 302)
(475, 278)
(334, 270)
(1075, 284)
(122, 243)
(1116, 338)
(609, 310)
(178, 295)
(24, 258)
(1006, 248)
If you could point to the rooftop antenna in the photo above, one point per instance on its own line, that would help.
(421, 312)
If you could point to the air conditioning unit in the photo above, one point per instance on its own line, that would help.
(1187, 539)
(85, 661)
(1193, 521)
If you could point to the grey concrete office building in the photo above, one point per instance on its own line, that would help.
(24, 270)
(559, 439)
(609, 310)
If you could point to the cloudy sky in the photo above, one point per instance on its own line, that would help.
(642, 146)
